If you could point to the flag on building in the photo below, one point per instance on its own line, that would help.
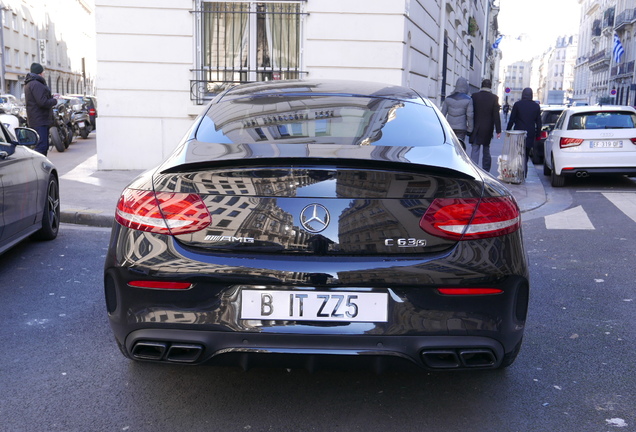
(618, 50)
(496, 44)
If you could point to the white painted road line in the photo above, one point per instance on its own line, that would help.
(572, 219)
(84, 171)
(626, 202)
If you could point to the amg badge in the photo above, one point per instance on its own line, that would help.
(231, 239)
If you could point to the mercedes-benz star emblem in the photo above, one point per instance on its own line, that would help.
(314, 218)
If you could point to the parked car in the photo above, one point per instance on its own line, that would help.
(13, 106)
(10, 104)
(91, 106)
(308, 223)
(29, 190)
(590, 140)
(549, 116)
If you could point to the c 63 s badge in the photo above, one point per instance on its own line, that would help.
(405, 242)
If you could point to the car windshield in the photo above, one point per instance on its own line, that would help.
(602, 120)
(322, 120)
(550, 116)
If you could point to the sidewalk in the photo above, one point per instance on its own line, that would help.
(89, 196)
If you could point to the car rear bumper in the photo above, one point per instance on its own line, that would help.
(587, 171)
(312, 352)
(424, 329)
(595, 163)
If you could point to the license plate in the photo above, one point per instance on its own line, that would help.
(314, 306)
(606, 144)
(80, 124)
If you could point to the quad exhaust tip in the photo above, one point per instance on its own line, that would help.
(177, 352)
(173, 352)
(459, 358)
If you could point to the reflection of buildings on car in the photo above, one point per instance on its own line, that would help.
(294, 223)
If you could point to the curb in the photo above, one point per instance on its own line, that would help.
(86, 217)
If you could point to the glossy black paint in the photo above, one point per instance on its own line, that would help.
(376, 193)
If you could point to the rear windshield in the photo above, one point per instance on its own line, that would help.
(602, 120)
(550, 117)
(322, 119)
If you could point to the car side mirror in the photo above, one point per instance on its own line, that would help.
(26, 136)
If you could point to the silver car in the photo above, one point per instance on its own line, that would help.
(29, 191)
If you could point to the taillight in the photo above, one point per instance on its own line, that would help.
(92, 111)
(162, 212)
(471, 218)
(570, 142)
(544, 135)
(633, 140)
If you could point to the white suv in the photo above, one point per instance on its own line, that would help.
(591, 140)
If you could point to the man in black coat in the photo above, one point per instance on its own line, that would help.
(486, 121)
(39, 106)
(526, 115)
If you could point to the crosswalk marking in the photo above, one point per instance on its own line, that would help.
(572, 219)
(626, 202)
(84, 171)
(576, 218)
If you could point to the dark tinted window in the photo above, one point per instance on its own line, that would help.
(602, 120)
(320, 119)
(550, 117)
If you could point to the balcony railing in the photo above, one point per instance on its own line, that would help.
(599, 60)
(599, 56)
(624, 18)
(623, 69)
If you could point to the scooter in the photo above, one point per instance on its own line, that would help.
(60, 134)
(81, 121)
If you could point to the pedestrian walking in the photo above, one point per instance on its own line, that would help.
(506, 111)
(526, 116)
(458, 110)
(39, 105)
(486, 121)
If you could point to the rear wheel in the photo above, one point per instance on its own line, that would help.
(56, 140)
(546, 168)
(69, 136)
(51, 212)
(84, 133)
(555, 179)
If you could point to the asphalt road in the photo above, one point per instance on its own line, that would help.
(61, 371)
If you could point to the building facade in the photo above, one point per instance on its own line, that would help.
(161, 61)
(557, 84)
(622, 85)
(517, 76)
(59, 34)
(600, 77)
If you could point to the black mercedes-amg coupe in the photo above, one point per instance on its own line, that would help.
(309, 224)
